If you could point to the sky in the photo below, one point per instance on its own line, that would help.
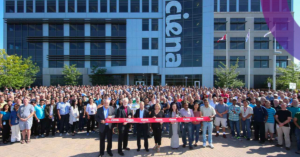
(296, 9)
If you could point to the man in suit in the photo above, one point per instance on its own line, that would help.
(123, 112)
(142, 128)
(105, 129)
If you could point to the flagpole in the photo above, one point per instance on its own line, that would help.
(249, 40)
(227, 56)
(274, 66)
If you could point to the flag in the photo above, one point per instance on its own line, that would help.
(272, 30)
(247, 37)
(223, 38)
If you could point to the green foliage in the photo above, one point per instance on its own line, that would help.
(269, 80)
(227, 77)
(71, 75)
(16, 71)
(290, 74)
(98, 76)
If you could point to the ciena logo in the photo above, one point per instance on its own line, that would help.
(173, 30)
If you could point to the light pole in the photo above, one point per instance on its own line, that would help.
(186, 81)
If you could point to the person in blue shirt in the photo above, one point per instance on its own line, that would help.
(98, 100)
(40, 118)
(253, 103)
(269, 126)
(14, 124)
(4, 123)
(294, 109)
(260, 116)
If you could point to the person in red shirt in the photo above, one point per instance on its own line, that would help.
(225, 96)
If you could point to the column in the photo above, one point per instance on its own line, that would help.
(87, 45)
(118, 1)
(152, 79)
(67, 44)
(57, 6)
(163, 79)
(108, 44)
(218, 6)
(45, 46)
(127, 76)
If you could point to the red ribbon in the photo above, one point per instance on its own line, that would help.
(156, 120)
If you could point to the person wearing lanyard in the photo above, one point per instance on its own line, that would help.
(234, 120)
(105, 129)
(260, 116)
(247, 112)
(207, 111)
(4, 123)
(91, 109)
(63, 110)
(14, 124)
(50, 114)
(187, 126)
(142, 128)
(40, 118)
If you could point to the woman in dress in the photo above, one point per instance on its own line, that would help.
(174, 131)
(74, 116)
(157, 127)
(196, 125)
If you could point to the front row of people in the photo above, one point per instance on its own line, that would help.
(105, 129)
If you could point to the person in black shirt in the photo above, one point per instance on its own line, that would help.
(283, 118)
(142, 128)
(157, 127)
(81, 110)
(166, 109)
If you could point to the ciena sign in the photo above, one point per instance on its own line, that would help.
(173, 32)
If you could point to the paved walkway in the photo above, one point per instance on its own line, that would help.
(88, 146)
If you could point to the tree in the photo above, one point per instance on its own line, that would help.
(98, 76)
(71, 75)
(290, 74)
(227, 77)
(15, 71)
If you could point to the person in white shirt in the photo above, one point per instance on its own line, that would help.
(74, 116)
(91, 110)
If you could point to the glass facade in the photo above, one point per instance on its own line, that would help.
(61, 6)
(260, 24)
(145, 25)
(93, 6)
(220, 24)
(154, 25)
(145, 6)
(97, 30)
(59, 80)
(56, 49)
(237, 43)
(261, 43)
(113, 6)
(221, 45)
(29, 6)
(145, 61)
(103, 5)
(135, 6)
(123, 6)
(20, 6)
(10, 6)
(51, 6)
(191, 35)
(218, 60)
(118, 30)
(81, 6)
(179, 80)
(118, 49)
(223, 5)
(155, 5)
(282, 61)
(145, 43)
(76, 30)
(56, 30)
(154, 60)
(255, 5)
(97, 49)
(77, 49)
(241, 63)
(232, 5)
(71, 6)
(261, 61)
(237, 24)
(243, 5)
(17, 44)
(39, 6)
(154, 43)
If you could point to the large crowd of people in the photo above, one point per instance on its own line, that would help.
(39, 112)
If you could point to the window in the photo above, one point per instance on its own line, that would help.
(154, 43)
(145, 61)
(93, 6)
(261, 61)
(39, 6)
(281, 24)
(56, 49)
(154, 24)
(97, 49)
(57, 80)
(145, 5)
(275, 6)
(154, 5)
(118, 30)
(56, 30)
(103, 5)
(118, 49)
(51, 6)
(218, 60)
(221, 45)
(71, 6)
(287, 7)
(237, 24)
(237, 43)
(282, 61)
(29, 6)
(145, 24)
(261, 43)
(154, 60)
(10, 6)
(98, 30)
(123, 6)
(223, 5)
(215, 5)
(61, 6)
(81, 6)
(113, 6)
(241, 63)
(220, 24)
(255, 5)
(77, 49)
(243, 5)
(76, 30)
(20, 6)
(232, 5)
(260, 24)
(145, 43)
(135, 6)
